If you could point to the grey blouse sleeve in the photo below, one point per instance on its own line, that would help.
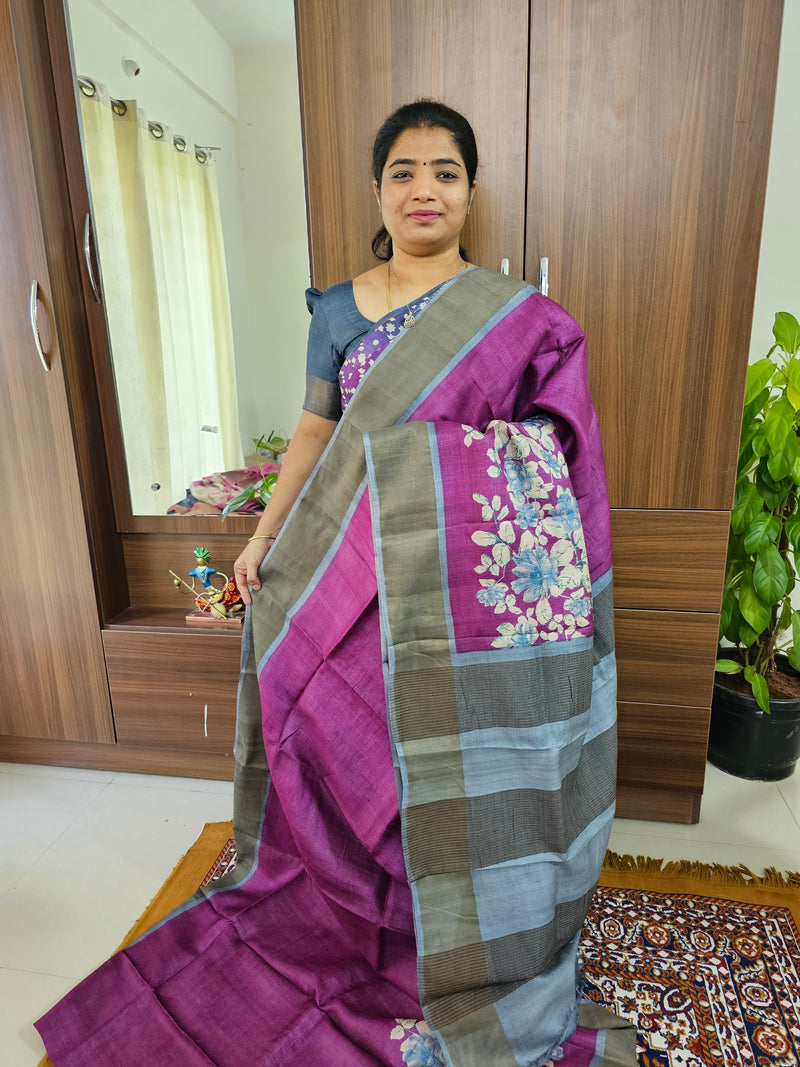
(323, 396)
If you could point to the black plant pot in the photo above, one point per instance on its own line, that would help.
(750, 744)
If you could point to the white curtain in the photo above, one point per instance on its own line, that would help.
(165, 289)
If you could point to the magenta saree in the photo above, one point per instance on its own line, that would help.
(426, 741)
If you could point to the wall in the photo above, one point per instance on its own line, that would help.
(270, 154)
(778, 283)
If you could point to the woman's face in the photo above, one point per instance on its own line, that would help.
(424, 192)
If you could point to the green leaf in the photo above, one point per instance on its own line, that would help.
(793, 383)
(753, 407)
(759, 685)
(778, 423)
(747, 505)
(785, 617)
(760, 442)
(787, 333)
(770, 576)
(239, 499)
(728, 666)
(781, 462)
(762, 531)
(758, 375)
(746, 636)
(793, 653)
(756, 612)
(772, 498)
(792, 528)
(726, 611)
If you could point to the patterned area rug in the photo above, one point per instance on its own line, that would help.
(705, 959)
(710, 975)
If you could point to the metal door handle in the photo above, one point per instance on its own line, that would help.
(87, 255)
(35, 323)
(504, 266)
(544, 284)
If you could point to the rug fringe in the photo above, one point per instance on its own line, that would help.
(713, 873)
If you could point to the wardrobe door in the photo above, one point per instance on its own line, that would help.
(52, 676)
(359, 60)
(649, 138)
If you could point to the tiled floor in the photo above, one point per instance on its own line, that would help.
(85, 851)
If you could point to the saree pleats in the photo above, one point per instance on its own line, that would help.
(426, 736)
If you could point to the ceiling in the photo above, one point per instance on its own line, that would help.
(250, 23)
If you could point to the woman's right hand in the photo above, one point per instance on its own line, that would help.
(245, 569)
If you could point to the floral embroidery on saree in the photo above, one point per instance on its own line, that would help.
(533, 531)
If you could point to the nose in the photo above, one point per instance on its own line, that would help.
(421, 189)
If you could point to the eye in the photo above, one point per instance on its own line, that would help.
(447, 176)
(401, 174)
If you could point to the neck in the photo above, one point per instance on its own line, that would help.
(423, 272)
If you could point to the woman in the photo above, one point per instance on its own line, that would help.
(425, 744)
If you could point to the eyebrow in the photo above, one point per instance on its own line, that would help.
(435, 162)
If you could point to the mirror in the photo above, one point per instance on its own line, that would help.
(222, 76)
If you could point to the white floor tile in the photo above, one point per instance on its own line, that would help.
(789, 789)
(35, 770)
(74, 906)
(24, 997)
(755, 857)
(35, 810)
(734, 811)
(191, 785)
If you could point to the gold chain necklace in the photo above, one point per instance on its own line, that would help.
(409, 319)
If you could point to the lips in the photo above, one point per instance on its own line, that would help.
(425, 216)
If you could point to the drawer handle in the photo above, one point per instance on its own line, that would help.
(205, 721)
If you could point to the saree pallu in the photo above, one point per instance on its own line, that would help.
(425, 741)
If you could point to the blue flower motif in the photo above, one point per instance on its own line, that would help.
(492, 594)
(520, 478)
(579, 605)
(537, 574)
(422, 1050)
(529, 514)
(552, 462)
(565, 514)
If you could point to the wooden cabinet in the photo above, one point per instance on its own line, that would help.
(644, 138)
(193, 706)
(52, 675)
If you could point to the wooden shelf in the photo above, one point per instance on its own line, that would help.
(145, 618)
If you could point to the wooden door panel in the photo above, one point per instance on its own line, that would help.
(649, 138)
(359, 60)
(52, 676)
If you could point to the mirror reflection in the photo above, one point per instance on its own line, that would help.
(191, 137)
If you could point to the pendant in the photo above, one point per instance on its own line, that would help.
(409, 320)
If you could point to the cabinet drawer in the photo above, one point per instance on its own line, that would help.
(669, 559)
(666, 657)
(173, 690)
(662, 746)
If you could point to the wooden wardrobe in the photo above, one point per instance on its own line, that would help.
(625, 140)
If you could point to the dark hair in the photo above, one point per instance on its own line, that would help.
(422, 114)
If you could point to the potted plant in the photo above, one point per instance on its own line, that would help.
(272, 447)
(755, 717)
